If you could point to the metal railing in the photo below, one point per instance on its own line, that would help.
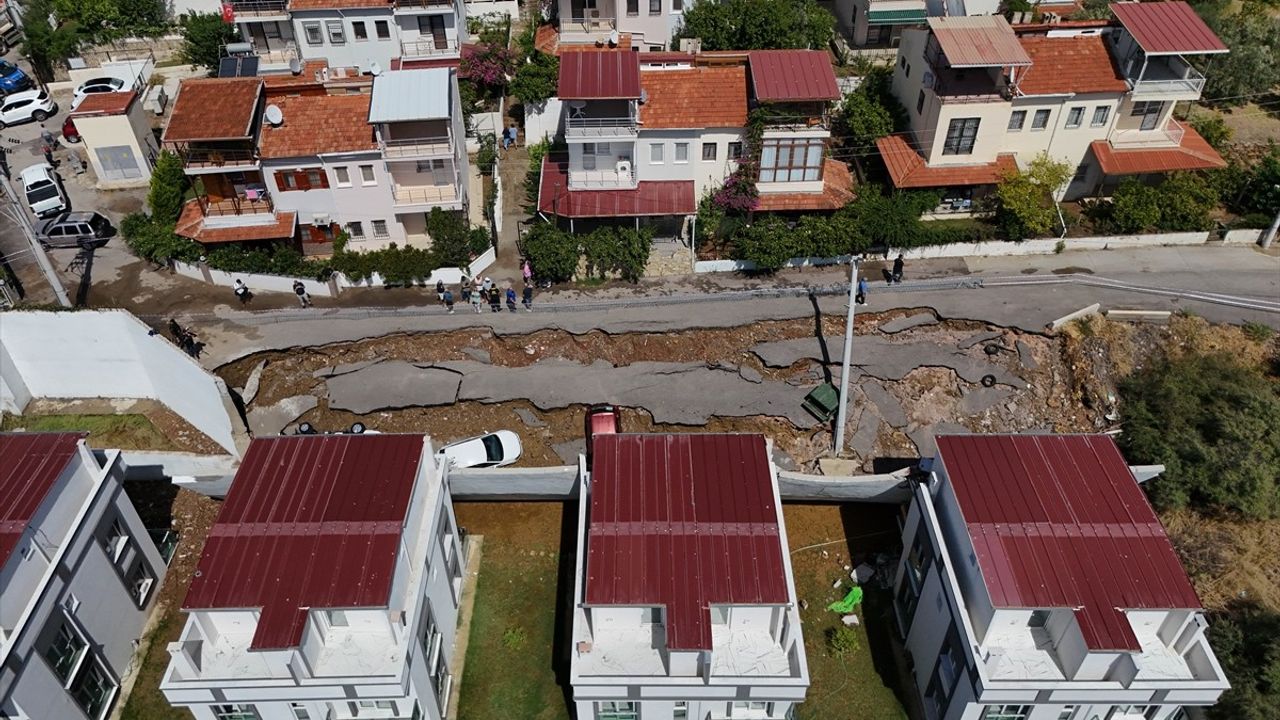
(424, 194)
(423, 3)
(1193, 83)
(284, 55)
(601, 179)
(216, 157)
(1169, 136)
(600, 126)
(589, 25)
(417, 147)
(260, 7)
(428, 47)
(236, 206)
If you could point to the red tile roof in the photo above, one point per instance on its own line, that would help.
(115, 103)
(1061, 65)
(837, 191)
(191, 225)
(30, 464)
(907, 167)
(1167, 28)
(1058, 521)
(599, 75)
(792, 76)
(214, 109)
(1194, 153)
(316, 124)
(979, 41)
(667, 197)
(702, 97)
(310, 521)
(683, 521)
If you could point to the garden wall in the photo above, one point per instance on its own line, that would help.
(480, 8)
(543, 123)
(1243, 237)
(450, 276)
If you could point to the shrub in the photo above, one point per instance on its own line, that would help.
(1246, 640)
(489, 66)
(893, 219)
(758, 24)
(1186, 199)
(1257, 332)
(1026, 202)
(168, 185)
(536, 79)
(514, 638)
(1215, 426)
(155, 241)
(269, 259)
(1135, 207)
(396, 265)
(1213, 129)
(619, 250)
(738, 194)
(487, 156)
(842, 640)
(552, 252)
(533, 176)
(453, 242)
(768, 243)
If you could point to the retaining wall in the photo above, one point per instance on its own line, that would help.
(1243, 237)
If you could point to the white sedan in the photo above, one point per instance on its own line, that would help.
(493, 450)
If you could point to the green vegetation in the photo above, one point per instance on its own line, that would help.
(1252, 67)
(536, 78)
(1246, 640)
(1026, 202)
(1181, 202)
(203, 37)
(515, 638)
(1257, 332)
(842, 641)
(168, 188)
(1215, 426)
(46, 44)
(130, 432)
(758, 24)
(154, 240)
(608, 250)
(146, 702)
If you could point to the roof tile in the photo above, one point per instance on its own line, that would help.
(1194, 153)
(114, 103)
(214, 109)
(315, 124)
(702, 97)
(837, 191)
(191, 225)
(1060, 65)
(908, 169)
(664, 197)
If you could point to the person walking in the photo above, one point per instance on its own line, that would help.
(48, 144)
(440, 290)
(487, 285)
(495, 299)
(477, 300)
(511, 299)
(448, 300)
(304, 297)
(861, 296)
(466, 290)
(528, 297)
(527, 270)
(897, 269)
(242, 291)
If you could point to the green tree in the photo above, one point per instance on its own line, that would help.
(758, 24)
(168, 186)
(1026, 202)
(1246, 641)
(1260, 186)
(768, 243)
(453, 242)
(1186, 199)
(203, 37)
(1215, 426)
(1213, 129)
(47, 45)
(1253, 65)
(1135, 207)
(536, 79)
(141, 18)
(892, 220)
(552, 252)
(1093, 10)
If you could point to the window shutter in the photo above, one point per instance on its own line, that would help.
(324, 180)
(301, 179)
(280, 180)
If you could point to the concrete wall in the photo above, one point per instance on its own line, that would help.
(256, 282)
(14, 394)
(481, 8)
(111, 354)
(1243, 237)
(348, 53)
(543, 122)
(354, 202)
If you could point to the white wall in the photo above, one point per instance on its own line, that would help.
(113, 131)
(186, 7)
(348, 53)
(355, 203)
(543, 122)
(110, 354)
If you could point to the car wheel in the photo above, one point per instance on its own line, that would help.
(40, 116)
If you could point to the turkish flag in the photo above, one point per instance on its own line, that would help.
(228, 12)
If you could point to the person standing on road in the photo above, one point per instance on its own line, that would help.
(49, 142)
(477, 300)
(487, 285)
(495, 299)
(527, 270)
(465, 289)
(897, 269)
(861, 296)
(528, 297)
(440, 290)
(448, 300)
(511, 299)
(304, 297)
(242, 291)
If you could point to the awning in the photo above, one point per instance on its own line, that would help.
(649, 198)
(908, 169)
(1193, 152)
(896, 17)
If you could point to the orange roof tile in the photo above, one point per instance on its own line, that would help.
(908, 169)
(837, 191)
(214, 109)
(286, 82)
(1194, 153)
(315, 124)
(1079, 64)
(191, 225)
(113, 103)
(701, 97)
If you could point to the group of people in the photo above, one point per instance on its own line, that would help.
(185, 339)
(485, 292)
(892, 277)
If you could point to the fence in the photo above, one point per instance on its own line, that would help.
(449, 276)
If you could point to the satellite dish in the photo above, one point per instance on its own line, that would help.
(295, 66)
(375, 68)
(274, 115)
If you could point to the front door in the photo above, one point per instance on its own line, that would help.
(1150, 113)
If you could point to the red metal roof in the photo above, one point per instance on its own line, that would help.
(792, 76)
(1167, 28)
(599, 75)
(311, 521)
(979, 41)
(908, 169)
(664, 197)
(1059, 521)
(685, 522)
(1192, 153)
(30, 464)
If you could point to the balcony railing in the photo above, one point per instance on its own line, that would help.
(600, 126)
(418, 4)
(278, 56)
(217, 157)
(428, 47)
(236, 206)
(599, 24)
(417, 147)
(1170, 136)
(1192, 84)
(601, 179)
(259, 7)
(424, 194)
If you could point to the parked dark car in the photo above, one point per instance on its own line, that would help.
(76, 229)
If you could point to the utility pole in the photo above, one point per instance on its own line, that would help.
(842, 416)
(1271, 231)
(20, 214)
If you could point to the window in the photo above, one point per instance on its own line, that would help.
(235, 712)
(1006, 712)
(115, 540)
(677, 5)
(383, 28)
(920, 103)
(633, 7)
(1101, 114)
(366, 175)
(1040, 120)
(342, 176)
(655, 153)
(315, 178)
(791, 160)
(655, 7)
(962, 133)
(92, 689)
(681, 711)
(359, 31)
(1017, 120)
(336, 35)
(65, 651)
(299, 711)
(616, 710)
(312, 31)
(1130, 711)
(288, 181)
(141, 581)
(1066, 712)
(1075, 116)
(1146, 107)
(380, 229)
(735, 151)
(908, 70)
(1040, 617)
(336, 618)
(355, 229)
(708, 151)
(682, 152)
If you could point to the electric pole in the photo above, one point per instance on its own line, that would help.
(842, 416)
(20, 214)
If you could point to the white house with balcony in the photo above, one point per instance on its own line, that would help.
(265, 26)
(648, 25)
(985, 98)
(328, 587)
(1036, 583)
(684, 603)
(369, 35)
(78, 577)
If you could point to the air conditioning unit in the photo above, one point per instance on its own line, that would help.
(321, 220)
(623, 167)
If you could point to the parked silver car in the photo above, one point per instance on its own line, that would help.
(75, 229)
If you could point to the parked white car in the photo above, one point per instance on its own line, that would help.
(27, 105)
(97, 85)
(492, 450)
(44, 191)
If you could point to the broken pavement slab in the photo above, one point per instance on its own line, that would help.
(890, 409)
(251, 385)
(480, 355)
(978, 399)
(529, 419)
(569, 450)
(979, 338)
(924, 437)
(882, 358)
(273, 419)
(906, 322)
(344, 369)
(1026, 356)
(392, 384)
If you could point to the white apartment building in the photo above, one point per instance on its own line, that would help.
(985, 98)
(328, 587)
(879, 23)
(684, 601)
(78, 573)
(646, 25)
(1036, 583)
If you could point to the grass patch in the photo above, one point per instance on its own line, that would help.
(146, 702)
(511, 656)
(127, 432)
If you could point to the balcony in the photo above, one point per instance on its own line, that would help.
(198, 157)
(241, 205)
(600, 127)
(589, 25)
(1170, 136)
(601, 180)
(277, 56)
(260, 9)
(1167, 77)
(412, 148)
(411, 5)
(425, 194)
(424, 47)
